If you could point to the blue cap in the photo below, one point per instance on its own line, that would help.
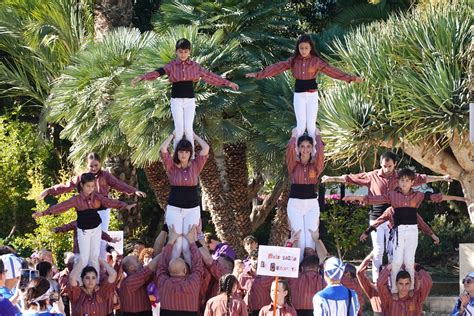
(334, 268)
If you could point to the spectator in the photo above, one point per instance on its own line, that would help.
(250, 244)
(238, 268)
(146, 256)
(12, 266)
(282, 303)
(6, 307)
(465, 302)
(218, 248)
(226, 303)
(37, 299)
(138, 246)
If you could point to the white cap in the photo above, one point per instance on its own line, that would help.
(12, 264)
(334, 268)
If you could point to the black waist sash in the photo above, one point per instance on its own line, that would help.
(305, 85)
(88, 219)
(378, 210)
(182, 89)
(183, 196)
(303, 191)
(405, 216)
(167, 312)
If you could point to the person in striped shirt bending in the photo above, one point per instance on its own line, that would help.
(182, 72)
(405, 201)
(305, 64)
(335, 299)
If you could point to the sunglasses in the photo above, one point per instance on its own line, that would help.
(467, 281)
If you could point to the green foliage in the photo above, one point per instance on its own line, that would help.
(344, 223)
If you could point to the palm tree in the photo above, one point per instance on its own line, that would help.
(415, 94)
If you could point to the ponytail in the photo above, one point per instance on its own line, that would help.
(226, 284)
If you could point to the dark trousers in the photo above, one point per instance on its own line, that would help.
(255, 313)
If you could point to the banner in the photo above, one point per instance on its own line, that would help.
(278, 261)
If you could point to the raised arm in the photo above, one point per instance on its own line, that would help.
(424, 284)
(166, 143)
(272, 70)
(382, 287)
(160, 240)
(58, 208)
(165, 257)
(112, 274)
(368, 287)
(291, 154)
(336, 73)
(204, 146)
(319, 146)
(75, 273)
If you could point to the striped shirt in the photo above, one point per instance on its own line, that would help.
(211, 276)
(188, 176)
(82, 202)
(217, 306)
(378, 183)
(304, 173)
(96, 304)
(185, 288)
(468, 310)
(187, 70)
(285, 310)
(369, 288)
(304, 287)
(63, 281)
(256, 289)
(398, 199)
(353, 284)
(305, 69)
(133, 293)
(388, 216)
(73, 226)
(333, 301)
(104, 182)
(406, 306)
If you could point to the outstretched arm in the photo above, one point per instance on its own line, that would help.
(272, 70)
(152, 75)
(58, 208)
(446, 178)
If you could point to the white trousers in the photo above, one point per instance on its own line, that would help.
(404, 245)
(379, 245)
(304, 215)
(105, 217)
(182, 219)
(183, 111)
(89, 247)
(306, 111)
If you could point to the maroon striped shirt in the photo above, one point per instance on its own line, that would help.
(96, 304)
(407, 306)
(369, 288)
(104, 182)
(397, 199)
(132, 292)
(184, 288)
(217, 306)
(82, 202)
(308, 173)
(377, 182)
(304, 288)
(210, 282)
(285, 310)
(187, 70)
(305, 69)
(73, 226)
(388, 216)
(63, 280)
(353, 284)
(188, 176)
(256, 289)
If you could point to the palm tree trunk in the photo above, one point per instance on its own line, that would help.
(158, 180)
(109, 14)
(280, 227)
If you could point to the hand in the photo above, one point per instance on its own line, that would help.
(140, 194)
(191, 235)
(37, 215)
(130, 206)
(295, 236)
(115, 255)
(135, 80)
(234, 86)
(359, 199)
(363, 237)
(42, 195)
(102, 263)
(116, 239)
(435, 239)
(317, 132)
(359, 80)
(314, 234)
(251, 75)
(173, 235)
(447, 178)
(465, 298)
(325, 179)
(294, 132)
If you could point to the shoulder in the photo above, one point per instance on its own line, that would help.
(334, 293)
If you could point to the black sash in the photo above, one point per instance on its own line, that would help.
(305, 85)
(183, 196)
(405, 216)
(182, 89)
(303, 191)
(88, 219)
(377, 210)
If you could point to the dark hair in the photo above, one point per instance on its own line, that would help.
(2, 266)
(250, 239)
(310, 262)
(4, 250)
(402, 274)
(44, 267)
(208, 237)
(305, 138)
(286, 288)
(226, 284)
(93, 156)
(407, 173)
(85, 178)
(183, 145)
(183, 43)
(254, 254)
(35, 289)
(304, 39)
(87, 270)
(351, 270)
(389, 155)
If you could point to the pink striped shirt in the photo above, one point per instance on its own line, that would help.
(217, 306)
(397, 199)
(388, 216)
(96, 304)
(407, 306)
(104, 182)
(304, 288)
(187, 70)
(81, 202)
(305, 69)
(285, 310)
(256, 289)
(188, 176)
(185, 288)
(132, 292)
(377, 182)
(369, 288)
(304, 173)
